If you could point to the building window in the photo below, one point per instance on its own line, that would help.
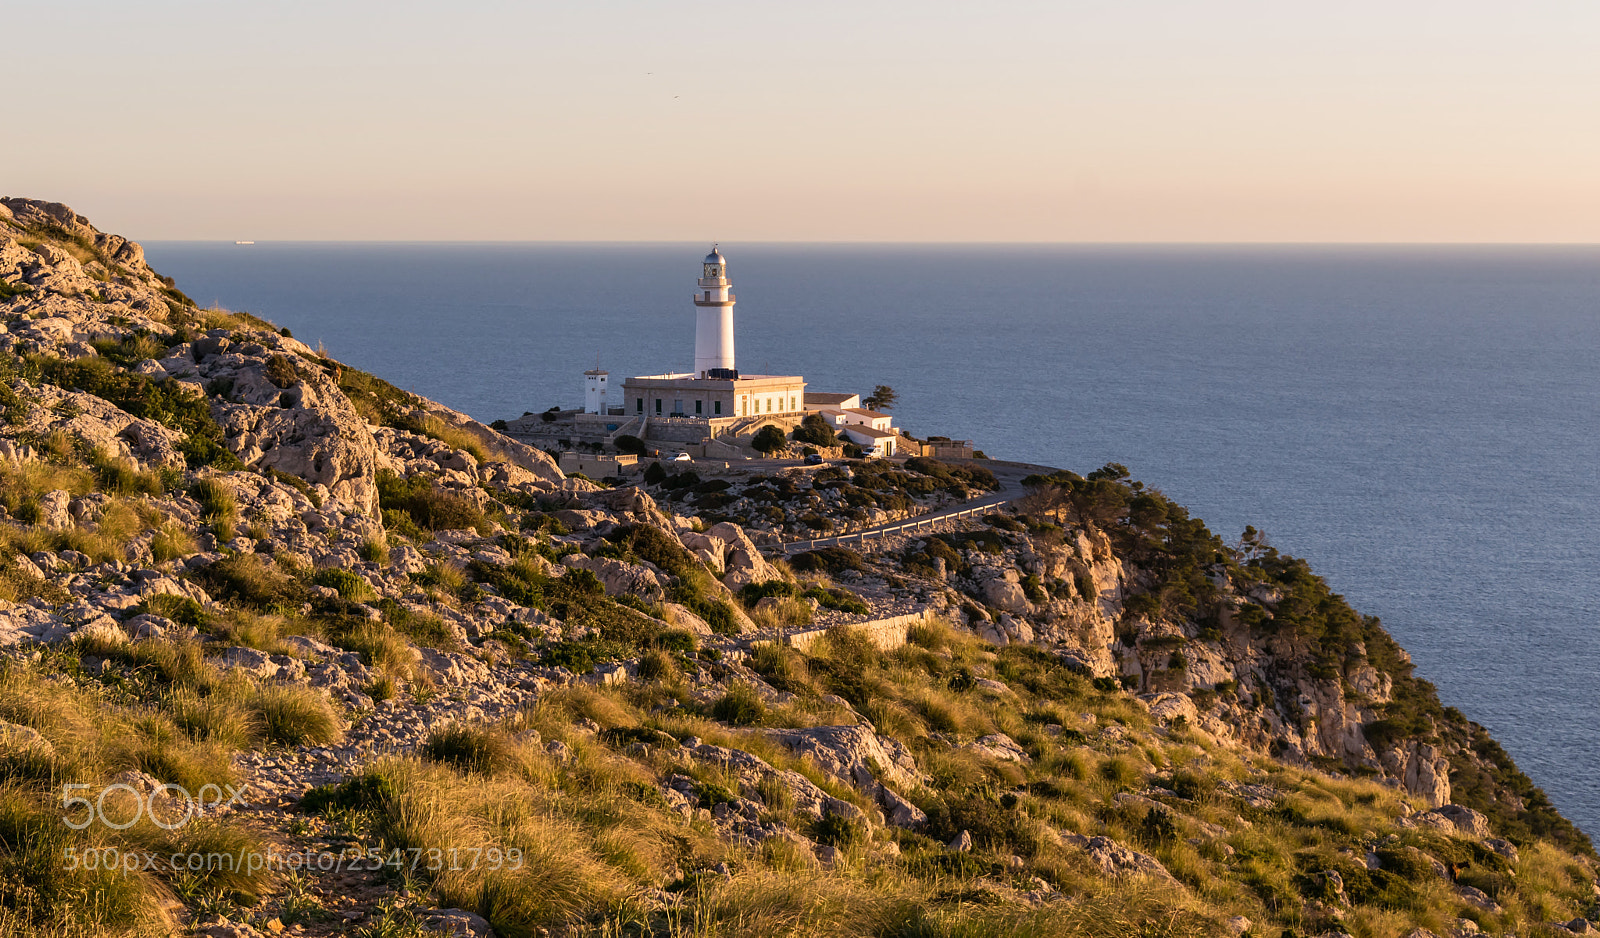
(658, 407)
(769, 405)
(716, 408)
(640, 402)
(697, 409)
(791, 403)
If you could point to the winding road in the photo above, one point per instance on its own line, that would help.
(1008, 474)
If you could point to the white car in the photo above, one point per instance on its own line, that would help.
(683, 457)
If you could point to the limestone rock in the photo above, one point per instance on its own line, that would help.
(319, 437)
(16, 737)
(744, 564)
(1000, 747)
(619, 577)
(457, 923)
(849, 753)
(453, 668)
(751, 771)
(1455, 819)
(53, 513)
(1116, 860)
(1004, 592)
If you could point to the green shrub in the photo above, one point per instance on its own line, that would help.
(836, 830)
(167, 402)
(350, 585)
(372, 789)
(630, 444)
(814, 430)
(216, 500)
(768, 440)
(829, 560)
(428, 507)
(281, 371)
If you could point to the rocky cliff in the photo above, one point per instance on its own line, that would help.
(229, 562)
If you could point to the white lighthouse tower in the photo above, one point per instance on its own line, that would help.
(713, 330)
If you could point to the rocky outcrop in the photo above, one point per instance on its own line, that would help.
(1114, 859)
(857, 756)
(622, 579)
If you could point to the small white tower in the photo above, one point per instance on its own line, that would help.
(594, 391)
(713, 331)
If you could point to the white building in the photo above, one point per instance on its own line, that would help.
(874, 441)
(816, 400)
(596, 392)
(715, 393)
(713, 328)
(840, 417)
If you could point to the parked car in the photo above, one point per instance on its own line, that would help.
(683, 457)
(814, 460)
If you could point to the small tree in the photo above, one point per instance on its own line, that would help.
(630, 444)
(769, 439)
(815, 430)
(882, 398)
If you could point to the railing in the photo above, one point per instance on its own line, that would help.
(860, 537)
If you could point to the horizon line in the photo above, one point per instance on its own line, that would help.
(858, 243)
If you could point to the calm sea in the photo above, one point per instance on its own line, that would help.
(1419, 422)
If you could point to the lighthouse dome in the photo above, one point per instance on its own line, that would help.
(715, 257)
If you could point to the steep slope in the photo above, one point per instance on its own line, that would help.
(418, 680)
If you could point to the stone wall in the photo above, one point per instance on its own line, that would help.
(885, 634)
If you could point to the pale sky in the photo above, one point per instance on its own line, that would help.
(1114, 120)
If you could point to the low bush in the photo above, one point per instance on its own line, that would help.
(297, 716)
(428, 507)
(469, 748)
(248, 579)
(830, 560)
(740, 706)
(350, 586)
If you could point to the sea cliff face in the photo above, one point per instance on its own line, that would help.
(230, 563)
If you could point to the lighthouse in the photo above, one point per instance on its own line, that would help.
(713, 330)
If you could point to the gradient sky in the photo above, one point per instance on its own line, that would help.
(1114, 120)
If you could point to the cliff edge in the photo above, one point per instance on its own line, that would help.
(287, 649)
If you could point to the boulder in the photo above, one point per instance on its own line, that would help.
(16, 737)
(751, 771)
(742, 563)
(1455, 819)
(321, 438)
(684, 618)
(1170, 708)
(619, 577)
(453, 668)
(457, 923)
(1116, 860)
(1005, 593)
(849, 754)
(54, 513)
(856, 756)
(999, 747)
(249, 660)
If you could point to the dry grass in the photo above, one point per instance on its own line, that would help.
(297, 716)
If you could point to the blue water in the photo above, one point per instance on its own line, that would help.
(1418, 422)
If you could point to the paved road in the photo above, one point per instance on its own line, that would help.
(1008, 474)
